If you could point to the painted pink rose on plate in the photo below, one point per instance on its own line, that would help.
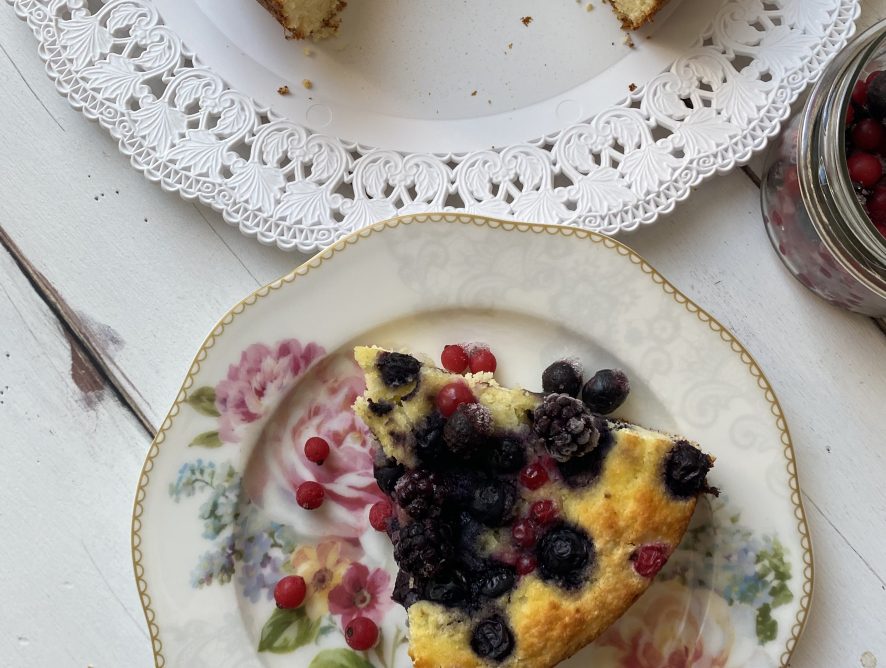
(362, 593)
(674, 626)
(262, 376)
(320, 407)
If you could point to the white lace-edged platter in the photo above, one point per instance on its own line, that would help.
(215, 523)
(417, 107)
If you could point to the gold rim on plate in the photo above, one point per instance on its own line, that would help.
(509, 226)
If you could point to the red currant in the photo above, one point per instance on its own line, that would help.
(524, 533)
(850, 115)
(870, 77)
(533, 476)
(453, 395)
(310, 495)
(543, 512)
(860, 93)
(882, 230)
(526, 563)
(482, 359)
(316, 449)
(380, 514)
(361, 634)
(454, 358)
(290, 592)
(865, 169)
(876, 205)
(649, 559)
(867, 134)
(792, 182)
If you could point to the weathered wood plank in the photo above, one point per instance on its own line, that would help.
(70, 455)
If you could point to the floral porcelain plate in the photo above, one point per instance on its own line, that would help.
(215, 523)
(416, 107)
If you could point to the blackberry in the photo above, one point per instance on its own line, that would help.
(606, 391)
(492, 502)
(387, 472)
(423, 549)
(877, 96)
(565, 554)
(419, 494)
(562, 377)
(582, 471)
(495, 581)
(397, 369)
(685, 471)
(466, 429)
(567, 427)
(406, 590)
(492, 639)
(430, 448)
(507, 455)
(449, 589)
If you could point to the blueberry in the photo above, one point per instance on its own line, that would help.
(877, 96)
(397, 369)
(492, 639)
(562, 378)
(380, 407)
(507, 455)
(449, 589)
(606, 391)
(466, 429)
(492, 502)
(387, 473)
(496, 581)
(686, 468)
(565, 555)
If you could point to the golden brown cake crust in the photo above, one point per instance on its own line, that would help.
(328, 27)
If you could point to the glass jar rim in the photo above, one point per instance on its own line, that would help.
(835, 211)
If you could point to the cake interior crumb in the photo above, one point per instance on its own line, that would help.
(474, 93)
(589, 7)
(632, 87)
(307, 83)
(283, 90)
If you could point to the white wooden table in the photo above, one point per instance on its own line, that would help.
(108, 286)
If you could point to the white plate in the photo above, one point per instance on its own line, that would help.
(391, 124)
(215, 520)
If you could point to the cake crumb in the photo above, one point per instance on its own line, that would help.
(632, 87)
(474, 93)
(628, 40)
(589, 7)
(510, 45)
(308, 51)
(283, 90)
(307, 83)
(526, 20)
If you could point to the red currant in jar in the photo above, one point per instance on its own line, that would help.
(860, 93)
(290, 591)
(482, 359)
(453, 395)
(361, 634)
(454, 358)
(876, 205)
(865, 169)
(868, 134)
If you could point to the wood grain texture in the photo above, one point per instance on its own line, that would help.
(140, 276)
(70, 457)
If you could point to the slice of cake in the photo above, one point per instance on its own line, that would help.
(306, 18)
(524, 523)
(635, 13)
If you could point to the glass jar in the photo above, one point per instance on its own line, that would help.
(815, 219)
